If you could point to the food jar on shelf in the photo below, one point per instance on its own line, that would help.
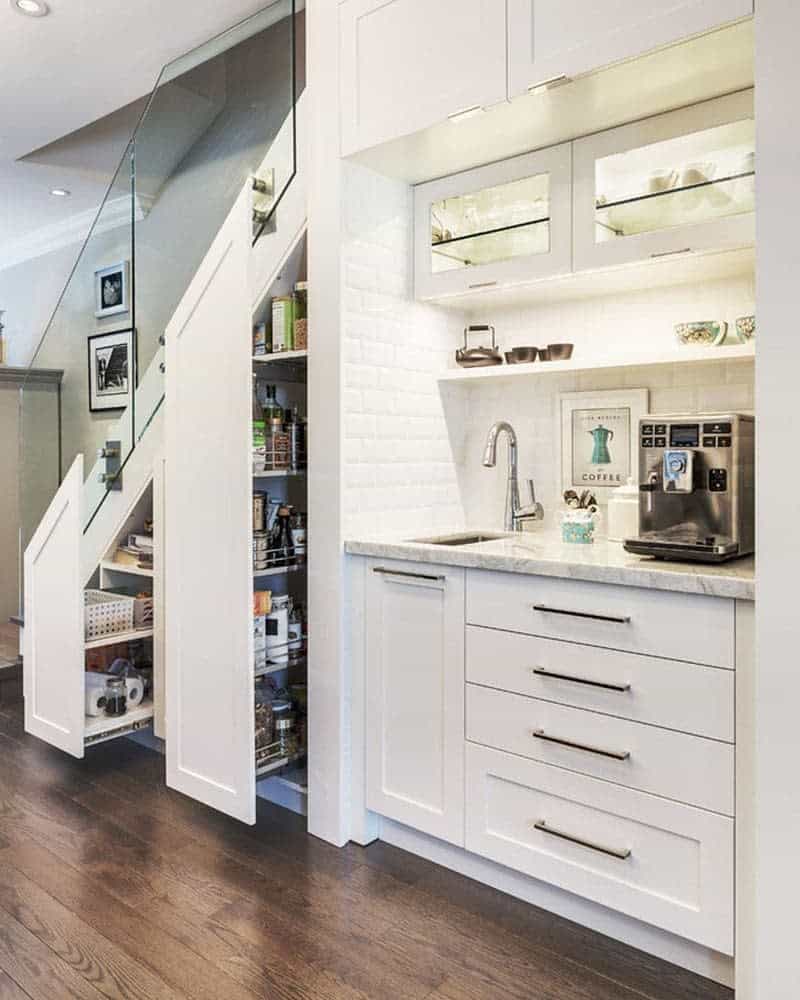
(301, 316)
(116, 696)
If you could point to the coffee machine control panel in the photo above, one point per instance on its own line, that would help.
(693, 455)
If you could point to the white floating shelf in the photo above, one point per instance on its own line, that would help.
(264, 359)
(116, 567)
(278, 474)
(587, 363)
(112, 640)
(97, 729)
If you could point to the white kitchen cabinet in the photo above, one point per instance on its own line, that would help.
(415, 696)
(502, 224)
(549, 39)
(409, 64)
(676, 183)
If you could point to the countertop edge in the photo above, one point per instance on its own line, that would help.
(649, 576)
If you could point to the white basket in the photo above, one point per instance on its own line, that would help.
(107, 614)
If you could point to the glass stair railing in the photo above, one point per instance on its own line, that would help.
(219, 117)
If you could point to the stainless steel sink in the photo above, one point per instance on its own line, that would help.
(465, 539)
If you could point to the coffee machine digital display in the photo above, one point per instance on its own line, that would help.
(684, 435)
(696, 487)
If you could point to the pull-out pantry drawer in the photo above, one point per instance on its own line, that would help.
(662, 623)
(686, 768)
(670, 693)
(667, 864)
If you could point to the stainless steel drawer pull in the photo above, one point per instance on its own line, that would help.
(407, 575)
(616, 619)
(612, 852)
(540, 734)
(607, 686)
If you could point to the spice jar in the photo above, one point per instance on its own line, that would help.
(301, 316)
(116, 695)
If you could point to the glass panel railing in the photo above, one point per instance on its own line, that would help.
(91, 338)
(218, 117)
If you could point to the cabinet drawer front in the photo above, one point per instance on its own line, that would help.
(684, 768)
(673, 625)
(682, 696)
(667, 864)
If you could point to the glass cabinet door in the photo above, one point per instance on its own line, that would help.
(681, 182)
(500, 224)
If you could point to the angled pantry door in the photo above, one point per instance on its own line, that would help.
(53, 641)
(208, 565)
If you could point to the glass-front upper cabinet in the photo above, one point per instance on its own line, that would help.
(681, 182)
(502, 224)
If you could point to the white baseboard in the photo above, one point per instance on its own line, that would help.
(662, 944)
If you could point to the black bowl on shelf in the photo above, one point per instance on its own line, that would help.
(559, 352)
(521, 355)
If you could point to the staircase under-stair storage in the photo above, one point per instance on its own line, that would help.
(152, 609)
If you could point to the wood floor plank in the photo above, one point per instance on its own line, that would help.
(10, 990)
(103, 965)
(179, 967)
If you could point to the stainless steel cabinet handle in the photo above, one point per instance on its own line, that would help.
(540, 734)
(612, 852)
(407, 575)
(617, 619)
(607, 686)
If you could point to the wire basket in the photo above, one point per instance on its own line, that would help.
(107, 614)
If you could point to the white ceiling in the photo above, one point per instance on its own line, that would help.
(85, 60)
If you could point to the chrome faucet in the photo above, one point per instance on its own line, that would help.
(515, 513)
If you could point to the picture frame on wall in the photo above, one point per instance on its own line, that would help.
(599, 439)
(112, 290)
(112, 370)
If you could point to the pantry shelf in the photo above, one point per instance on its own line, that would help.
(687, 355)
(278, 473)
(115, 637)
(277, 765)
(265, 359)
(98, 729)
(115, 567)
(277, 570)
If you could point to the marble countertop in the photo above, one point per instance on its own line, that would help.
(542, 553)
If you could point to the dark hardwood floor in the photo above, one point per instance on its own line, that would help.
(111, 885)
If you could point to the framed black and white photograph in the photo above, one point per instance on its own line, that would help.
(111, 370)
(599, 439)
(111, 290)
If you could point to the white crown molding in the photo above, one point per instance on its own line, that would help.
(74, 230)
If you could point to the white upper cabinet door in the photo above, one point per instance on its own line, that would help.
(415, 696)
(548, 39)
(503, 224)
(409, 64)
(675, 183)
(210, 719)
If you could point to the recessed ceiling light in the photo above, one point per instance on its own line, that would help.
(60, 192)
(33, 8)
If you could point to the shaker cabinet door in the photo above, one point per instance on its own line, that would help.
(415, 696)
(553, 38)
(209, 568)
(409, 64)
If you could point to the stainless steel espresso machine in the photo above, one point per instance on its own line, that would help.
(696, 487)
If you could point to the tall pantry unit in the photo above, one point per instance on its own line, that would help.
(235, 596)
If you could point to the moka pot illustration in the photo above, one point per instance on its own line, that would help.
(601, 437)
